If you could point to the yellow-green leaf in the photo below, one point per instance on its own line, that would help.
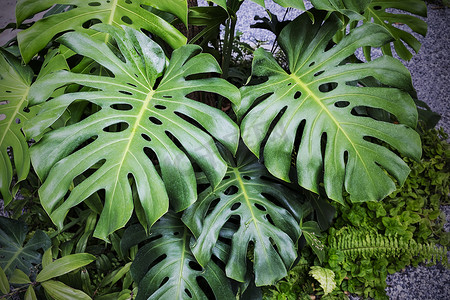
(59, 291)
(64, 265)
(19, 277)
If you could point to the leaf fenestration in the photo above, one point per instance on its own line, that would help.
(146, 103)
(318, 104)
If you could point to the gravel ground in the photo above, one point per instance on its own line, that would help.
(430, 73)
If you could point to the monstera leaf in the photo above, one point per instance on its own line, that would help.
(376, 13)
(350, 8)
(166, 269)
(316, 106)
(15, 81)
(143, 119)
(13, 253)
(113, 12)
(246, 195)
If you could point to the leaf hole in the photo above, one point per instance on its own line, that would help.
(146, 137)
(342, 104)
(122, 106)
(328, 87)
(226, 177)
(377, 7)
(160, 107)
(269, 218)
(167, 96)
(312, 64)
(118, 127)
(94, 4)
(318, 73)
(246, 177)
(164, 281)
(130, 84)
(206, 288)
(126, 20)
(297, 94)
(155, 121)
(151, 155)
(195, 266)
(235, 206)
(126, 93)
(2, 117)
(9, 92)
(260, 207)
(231, 190)
(93, 70)
(17, 121)
(128, 2)
(91, 22)
(345, 157)
(176, 233)
(213, 204)
(188, 293)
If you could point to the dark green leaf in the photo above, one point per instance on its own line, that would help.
(166, 269)
(143, 133)
(13, 253)
(251, 199)
(315, 101)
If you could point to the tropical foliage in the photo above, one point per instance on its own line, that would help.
(104, 132)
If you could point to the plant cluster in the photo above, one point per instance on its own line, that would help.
(368, 241)
(119, 161)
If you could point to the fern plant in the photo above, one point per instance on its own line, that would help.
(105, 96)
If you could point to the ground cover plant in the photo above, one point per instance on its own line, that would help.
(153, 164)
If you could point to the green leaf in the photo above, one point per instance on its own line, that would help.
(311, 231)
(47, 258)
(64, 265)
(165, 268)
(316, 104)
(245, 197)
(15, 255)
(325, 277)
(112, 12)
(19, 277)
(15, 81)
(59, 291)
(148, 118)
(4, 284)
(30, 294)
(376, 13)
(351, 8)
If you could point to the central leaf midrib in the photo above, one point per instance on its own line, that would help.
(247, 200)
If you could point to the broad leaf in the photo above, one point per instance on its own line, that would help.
(316, 106)
(140, 120)
(113, 12)
(13, 253)
(246, 196)
(59, 291)
(166, 269)
(15, 81)
(350, 8)
(380, 12)
(325, 277)
(64, 265)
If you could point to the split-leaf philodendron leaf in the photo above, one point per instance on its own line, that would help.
(245, 195)
(15, 81)
(315, 106)
(140, 122)
(80, 12)
(381, 12)
(165, 268)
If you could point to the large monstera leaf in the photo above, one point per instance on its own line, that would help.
(166, 269)
(113, 12)
(378, 14)
(15, 81)
(150, 120)
(245, 196)
(316, 106)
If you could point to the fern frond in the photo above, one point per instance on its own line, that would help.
(356, 243)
